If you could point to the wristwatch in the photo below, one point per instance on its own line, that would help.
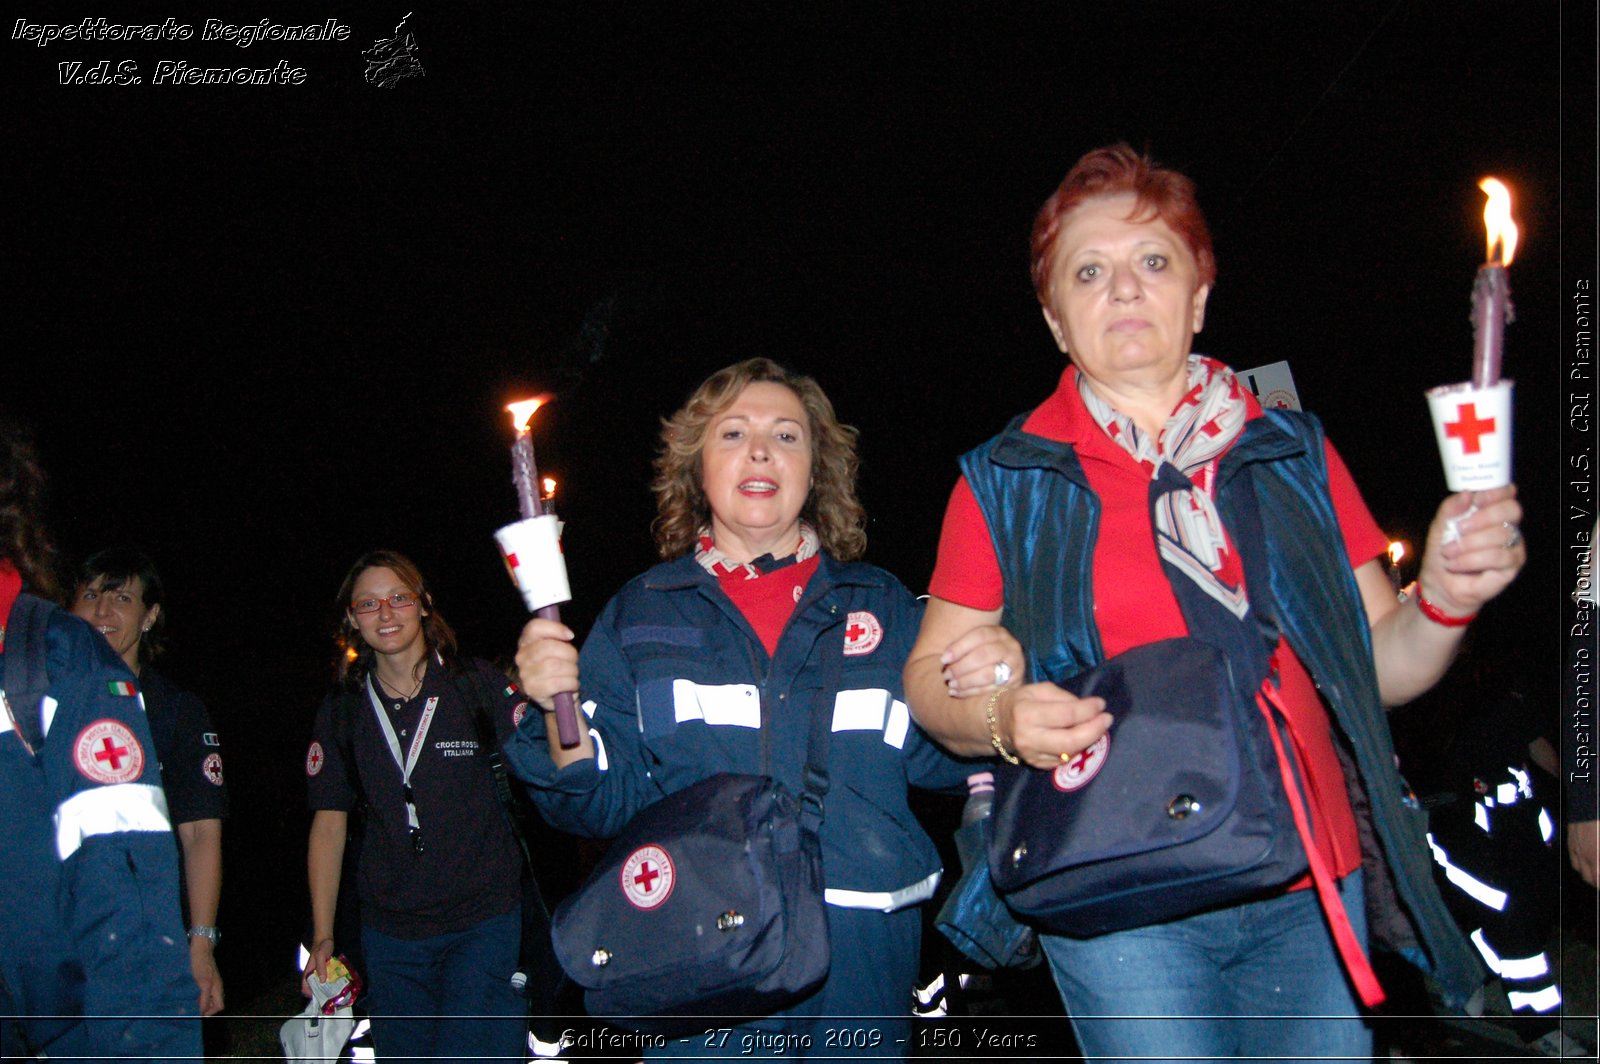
(212, 933)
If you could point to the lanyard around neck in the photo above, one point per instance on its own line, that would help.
(409, 762)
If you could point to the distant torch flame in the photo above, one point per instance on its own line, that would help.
(1397, 550)
(1497, 220)
(522, 412)
(549, 487)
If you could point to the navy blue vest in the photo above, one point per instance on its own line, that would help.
(1044, 520)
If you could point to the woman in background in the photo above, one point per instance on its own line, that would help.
(400, 739)
(120, 593)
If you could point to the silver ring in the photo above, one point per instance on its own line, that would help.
(1002, 674)
(1515, 537)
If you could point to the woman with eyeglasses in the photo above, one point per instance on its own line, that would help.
(439, 870)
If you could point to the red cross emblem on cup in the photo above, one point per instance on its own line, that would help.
(1469, 428)
(862, 633)
(647, 877)
(1082, 766)
(107, 752)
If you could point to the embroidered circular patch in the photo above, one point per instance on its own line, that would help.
(212, 767)
(647, 877)
(314, 759)
(518, 713)
(1083, 766)
(862, 634)
(107, 752)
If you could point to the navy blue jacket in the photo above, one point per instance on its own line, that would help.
(1044, 520)
(89, 868)
(678, 688)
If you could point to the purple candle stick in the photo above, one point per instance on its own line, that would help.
(525, 477)
(1491, 290)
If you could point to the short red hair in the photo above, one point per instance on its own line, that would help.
(1159, 192)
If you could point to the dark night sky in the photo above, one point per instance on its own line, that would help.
(263, 329)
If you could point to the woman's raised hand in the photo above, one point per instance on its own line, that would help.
(547, 662)
(1474, 550)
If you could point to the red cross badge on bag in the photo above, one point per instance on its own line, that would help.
(1082, 766)
(107, 752)
(862, 634)
(647, 877)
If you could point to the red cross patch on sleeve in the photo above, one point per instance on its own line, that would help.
(212, 767)
(107, 752)
(314, 759)
(862, 633)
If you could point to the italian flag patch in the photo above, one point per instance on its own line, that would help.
(122, 688)
(511, 689)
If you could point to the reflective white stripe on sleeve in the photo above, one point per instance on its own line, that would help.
(1486, 951)
(1546, 827)
(1524, 780)
(1480, 815)
(899, 724)
(1481, 891)
(872, 709)
(885, 901)
(599, 744)
(1539, 1001)
(109, 811)
(735, 704)
(1525, 967)
(863, 709)
(47, 714)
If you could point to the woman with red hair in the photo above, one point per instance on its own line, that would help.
(1130, 507)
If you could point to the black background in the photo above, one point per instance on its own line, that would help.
(260, 330)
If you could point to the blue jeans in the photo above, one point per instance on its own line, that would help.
(448, 997)
(1259, 980)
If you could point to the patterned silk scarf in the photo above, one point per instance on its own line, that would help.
(719, 564)
(1189, 534)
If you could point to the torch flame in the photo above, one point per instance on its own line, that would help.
(522, 412)
(1397, 550)
(1497, 220)
(549, 487)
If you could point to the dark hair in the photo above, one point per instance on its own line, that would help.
(355, 657)
(831, 506)
(1158, 193)
(23, 538)
(116, 566)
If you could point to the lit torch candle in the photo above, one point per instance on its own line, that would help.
(1491, 291)
(524, 476)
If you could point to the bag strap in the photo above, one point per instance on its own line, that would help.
(479, 699)
(817, 745)
(27, 673)
(1344, 935)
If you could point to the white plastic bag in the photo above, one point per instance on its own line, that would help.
(318, 1035)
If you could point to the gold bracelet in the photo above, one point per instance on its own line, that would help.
(994, 731)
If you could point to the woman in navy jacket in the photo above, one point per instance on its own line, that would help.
(702, 661)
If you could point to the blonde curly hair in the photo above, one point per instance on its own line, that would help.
(831, 508)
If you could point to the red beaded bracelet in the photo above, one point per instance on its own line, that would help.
(1438, 616)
